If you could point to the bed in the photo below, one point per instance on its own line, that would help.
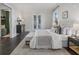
(46, 39)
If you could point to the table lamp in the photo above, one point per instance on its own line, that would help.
(19, 20)
(76, 28)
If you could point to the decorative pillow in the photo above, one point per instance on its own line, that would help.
(67, 31)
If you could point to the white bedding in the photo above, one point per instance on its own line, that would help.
(56, 41)
(42, 33)
(40, 41)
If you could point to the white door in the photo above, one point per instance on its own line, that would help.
(36, 22)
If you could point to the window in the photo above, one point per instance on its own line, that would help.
(37, 21)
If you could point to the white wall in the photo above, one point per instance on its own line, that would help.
(73, 14)
(45, 14)
(29, 9)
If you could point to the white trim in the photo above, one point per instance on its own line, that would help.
(12, 34)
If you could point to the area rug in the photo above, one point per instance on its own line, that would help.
(23, 49)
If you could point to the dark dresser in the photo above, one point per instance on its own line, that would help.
(20, 28)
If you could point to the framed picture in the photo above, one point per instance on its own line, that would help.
(65, 15)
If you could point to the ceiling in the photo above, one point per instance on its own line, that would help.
(22, 7)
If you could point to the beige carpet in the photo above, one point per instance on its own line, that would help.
(23, 49)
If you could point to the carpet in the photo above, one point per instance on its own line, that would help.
(23, 49)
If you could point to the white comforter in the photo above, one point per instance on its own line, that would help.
(39, 40)
(56, 41)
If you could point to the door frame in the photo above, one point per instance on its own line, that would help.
(10, 18)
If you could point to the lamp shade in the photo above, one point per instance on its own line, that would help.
(76, 26)
(19, 19)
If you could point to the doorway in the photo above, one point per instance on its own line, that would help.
(5, 28)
